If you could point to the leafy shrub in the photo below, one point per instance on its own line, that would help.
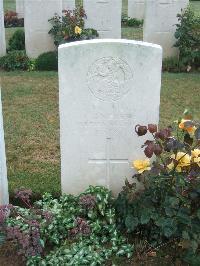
(11, 20)
(71, 230)
(47, 61)
(188, 38)
(70, 27)
(17, 41)
(132, 22)
(173, 64)
(166, 207)
(15, 60)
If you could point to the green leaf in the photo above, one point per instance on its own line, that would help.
(170, 212)
(184, 218)
(185, 235)
(131, 222)
(42, 242)
(194, 245)
(198, 213)
(145, 218)
(168, 231)
(160, 221)
(173, 201)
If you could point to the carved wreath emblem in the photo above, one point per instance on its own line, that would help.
(109, 78)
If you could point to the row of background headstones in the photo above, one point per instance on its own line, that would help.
(135, 7)
(105, 17)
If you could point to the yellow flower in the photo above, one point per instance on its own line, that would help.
(182, 159)
(195, 153)
(190, 129)
(77, 30)
(142, 165)
(196, 156)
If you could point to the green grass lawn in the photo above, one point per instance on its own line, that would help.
(132, 33)
(9, 5)
(195, 5)
(30, 105)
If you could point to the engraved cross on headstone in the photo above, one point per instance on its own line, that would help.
(108, 160)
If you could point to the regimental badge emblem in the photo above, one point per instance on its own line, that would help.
(109, 78)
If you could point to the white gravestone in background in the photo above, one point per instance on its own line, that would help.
(36, 16)
(160, 20)
(68, 4)
(3, 171)
(112, 86)
(2, 31)
(136, 8)
(20, 8)
(104, 16)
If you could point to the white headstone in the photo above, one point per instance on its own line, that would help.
(136, 8)
(68, 4)
(36, 16)
(104, 16)
(4, 198)
(112, 86)
(20, 8)
(160, 20)
(2, 31)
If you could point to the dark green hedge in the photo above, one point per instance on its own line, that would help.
(47, 61)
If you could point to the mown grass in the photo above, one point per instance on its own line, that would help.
(30, 108)
(9, 5)
(31, 122)
(179, 91)
(132, 33)
(195, 5)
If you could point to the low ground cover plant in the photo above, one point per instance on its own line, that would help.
(71, 230)
(164, 208)
(70, 27)
(11, 20)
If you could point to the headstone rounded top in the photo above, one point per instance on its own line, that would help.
(109, 41)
